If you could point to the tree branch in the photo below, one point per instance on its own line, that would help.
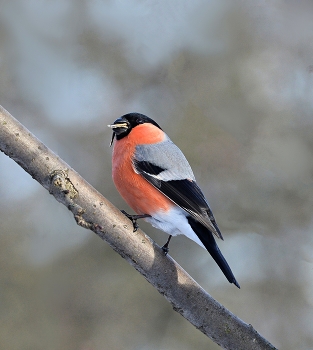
(92, 211)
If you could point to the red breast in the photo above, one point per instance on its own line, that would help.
(139, 194)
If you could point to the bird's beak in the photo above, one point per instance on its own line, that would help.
(119, 125)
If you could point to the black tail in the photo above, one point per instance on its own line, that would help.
(207, 239)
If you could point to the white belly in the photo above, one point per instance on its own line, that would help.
(174, 222)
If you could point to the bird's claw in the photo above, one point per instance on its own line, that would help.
(135, 225)
(134, 218)
(165, 249)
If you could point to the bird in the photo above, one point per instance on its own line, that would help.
(155, 179)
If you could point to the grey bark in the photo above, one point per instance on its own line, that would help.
(92, 211)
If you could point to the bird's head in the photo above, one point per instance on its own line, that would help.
(123, 125)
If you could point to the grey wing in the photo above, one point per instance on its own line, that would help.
(167, 156)
(167, 169)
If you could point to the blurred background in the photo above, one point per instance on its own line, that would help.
(231, 82)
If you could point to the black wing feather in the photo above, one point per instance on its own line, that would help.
(211, 246)
(185, 193)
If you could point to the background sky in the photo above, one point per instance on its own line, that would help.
(231, 82)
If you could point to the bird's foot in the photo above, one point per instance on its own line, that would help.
(134, 218)
(165, 248)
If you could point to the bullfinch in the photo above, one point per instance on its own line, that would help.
(155, 179)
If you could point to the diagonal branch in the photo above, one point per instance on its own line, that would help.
(92, 211)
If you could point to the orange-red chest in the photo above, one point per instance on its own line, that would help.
(139, 194)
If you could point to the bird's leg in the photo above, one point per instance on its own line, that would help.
(134, 218)
(165, 248)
